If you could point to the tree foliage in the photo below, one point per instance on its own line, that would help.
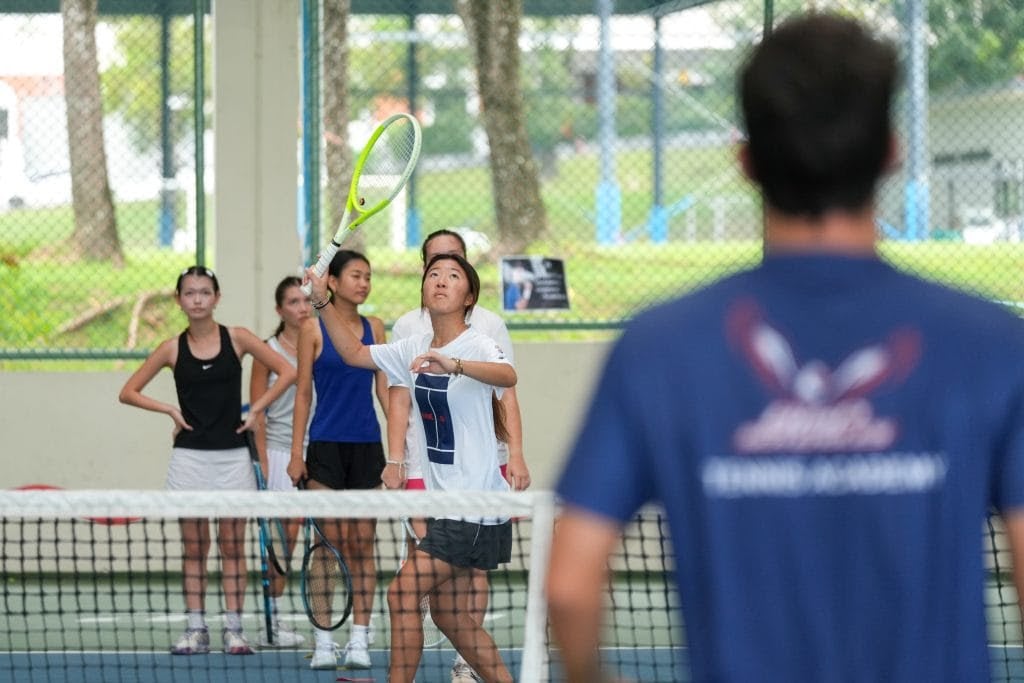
(974, 43)
(131, 83)
(95, 235)
(971, 43)
(494, 29)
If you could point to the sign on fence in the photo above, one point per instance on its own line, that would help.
(533, 283)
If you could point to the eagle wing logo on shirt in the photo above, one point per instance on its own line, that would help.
(816, 408)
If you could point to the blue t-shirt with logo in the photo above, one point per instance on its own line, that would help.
(826, 435)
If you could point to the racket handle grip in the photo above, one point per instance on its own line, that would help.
(320, 267)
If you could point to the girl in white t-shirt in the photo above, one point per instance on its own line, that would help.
(453, 373)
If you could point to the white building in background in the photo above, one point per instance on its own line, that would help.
(34, 159)
(976, 167)
(12, 162)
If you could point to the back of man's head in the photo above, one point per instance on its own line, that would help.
(816, 96)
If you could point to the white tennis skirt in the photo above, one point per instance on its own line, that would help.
(277, 465)
(194, 470)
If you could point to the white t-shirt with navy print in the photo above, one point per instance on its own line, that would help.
(417, 322)
(456, 421)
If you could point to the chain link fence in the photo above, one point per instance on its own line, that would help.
(633, 147)
(97, 179)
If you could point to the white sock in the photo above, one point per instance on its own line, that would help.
(459, 660)
(359, 634)
(233, 621)
(196, 619)
(274, 608)
(324, 639)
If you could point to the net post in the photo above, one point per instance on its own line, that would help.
(534, 663)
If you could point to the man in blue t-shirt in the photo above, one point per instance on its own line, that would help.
(825, 432)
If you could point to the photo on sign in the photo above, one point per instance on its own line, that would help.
(533, 283)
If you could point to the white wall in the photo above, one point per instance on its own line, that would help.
(68, 429)
(256, 102)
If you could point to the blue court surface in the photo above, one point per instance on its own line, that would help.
(639, 665)
(162, 667)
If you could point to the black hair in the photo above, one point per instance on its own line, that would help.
(342, 259)
(471, 276)
(816, 99)
(441, 233)
(283, 286)
(201, 271)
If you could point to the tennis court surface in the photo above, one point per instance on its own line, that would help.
(92, 589)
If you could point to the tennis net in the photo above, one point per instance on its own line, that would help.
(93, 589)
(93, 584)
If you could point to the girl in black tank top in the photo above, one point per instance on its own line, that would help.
(210, 396)
(209, 446)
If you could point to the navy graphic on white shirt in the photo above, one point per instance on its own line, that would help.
(432, 400)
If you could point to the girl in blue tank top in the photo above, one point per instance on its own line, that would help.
(345, 449)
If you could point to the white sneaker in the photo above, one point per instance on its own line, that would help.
(236, 644)
(463, 673)
(357, 656)
(324, 658)
(195, 641)
(284, 636)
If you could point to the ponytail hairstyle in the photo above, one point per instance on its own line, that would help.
(498, 410)
(282, 287)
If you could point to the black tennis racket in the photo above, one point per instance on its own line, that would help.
(326, 582)
(268, 557)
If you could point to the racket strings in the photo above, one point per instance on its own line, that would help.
(326, 591)
(387, 165)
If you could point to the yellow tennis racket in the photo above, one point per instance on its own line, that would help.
(382, 168)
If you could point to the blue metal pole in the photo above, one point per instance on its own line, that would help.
(916, 210)
(412, 216)
(309, 193)
(657, 224)
(168, 184)
(609, 196)
(199, 118)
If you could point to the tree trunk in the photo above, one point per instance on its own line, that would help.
(337, 154)
(95, 235)
(493, 29)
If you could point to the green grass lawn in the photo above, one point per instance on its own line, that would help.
(45, 293)
(607, 285)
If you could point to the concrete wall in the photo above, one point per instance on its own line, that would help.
(68, 429)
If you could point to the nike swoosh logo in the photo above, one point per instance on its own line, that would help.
(207, 366)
